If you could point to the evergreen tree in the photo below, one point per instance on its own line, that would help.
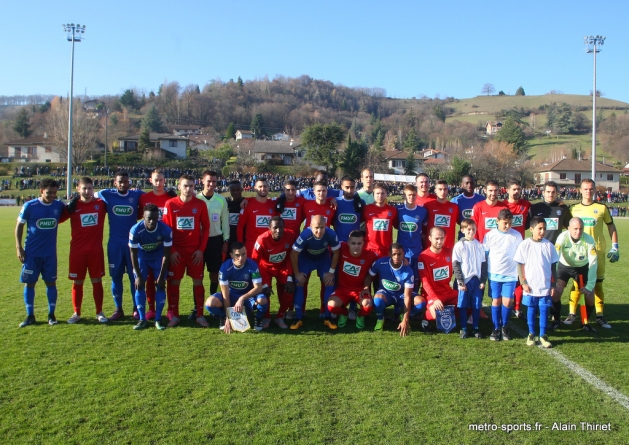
(240, 82)
(519, 92)
(438, 111)
(412, 142)
(353, 157)
(322, 143)
(511, 133)
(409, 165)
(231, 131)
(257, 125)
(145, 139)
(22, 125)
(153, 121)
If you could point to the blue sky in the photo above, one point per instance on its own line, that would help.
(409, 48)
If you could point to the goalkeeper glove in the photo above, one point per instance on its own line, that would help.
(72, 204)
(613, 254)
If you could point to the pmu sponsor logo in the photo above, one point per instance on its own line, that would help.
(123, 210)
(351, 269)
(491, 223)
(46, 223)
(89, 220)
(381, 225)
(185, 223)
(238, 284)
(150, 247)
(348, 218)
(442, 220)
(588, 222)
(316, 251)
(277, 258)
(289, 214)
(263, 221)
(468, 213)
(408, 227)
(233, 219)
(391, 285)
(441, 273)
(552, 223)
(518, 221)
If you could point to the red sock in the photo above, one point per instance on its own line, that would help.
(518, 297)
(199, 293)
(173, 299)
(97, 289)
(150, 291)
(285, 300)
(77, 297)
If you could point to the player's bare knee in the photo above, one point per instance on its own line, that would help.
(418, 300)
(262, 300)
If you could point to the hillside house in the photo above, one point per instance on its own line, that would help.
(34, 149)
(244, 134)
(570, 173)
(396, 161)
(493, 127)
(169, 144)
(185, 130)
(275, 152)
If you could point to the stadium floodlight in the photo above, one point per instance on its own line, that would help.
(592, 45)
(73, 33)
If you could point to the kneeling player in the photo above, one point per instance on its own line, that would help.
(150, 241)
(395, 288)
(354, 262)
(241, 285)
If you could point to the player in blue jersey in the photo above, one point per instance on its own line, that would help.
(241, 286)
(466, 200)
(349, 208)
(411, 219)
(122, 212)
(39, 254)
(395, 288)
(309, 194)
(150, 241)
(311, 252)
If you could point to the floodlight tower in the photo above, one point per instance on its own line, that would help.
(73, 33)
(592, 44)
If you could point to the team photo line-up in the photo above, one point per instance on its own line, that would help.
(347, 238)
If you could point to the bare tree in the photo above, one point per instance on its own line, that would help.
(488, 89)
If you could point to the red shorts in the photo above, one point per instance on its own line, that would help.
(81, 263)
(447, 301)
(280, 274)
(195, 271)
(348, 296)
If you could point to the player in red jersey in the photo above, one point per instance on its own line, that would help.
(158, 196)
(520, 209)
(291, 207)
(87, 220)
(423, 190)
(321, 205)
(380, 218)
(435, 271)
(188, 218)
(354, 264)
(255, 216)
(485, 213)
(442, 213)
(272, 253)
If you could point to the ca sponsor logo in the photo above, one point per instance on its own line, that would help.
(46, 223)
(351, 269)
(491, 223)
(233, 219)
(588, 222)
(123, 210)
(408, 227)
(391, 285)
(277, 258)
(381, 225)
(442, 220)
(552, 223)
(348, 218)
(89, 220)
(263, 221)
(518, 221)
(468, 213)
(185, 223)
(441, 273)
(289, 214)
(238, 284)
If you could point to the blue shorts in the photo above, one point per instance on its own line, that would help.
(146, 266)
(531, 301)
(472, 297)
(119, 258)
(249, 304)
(321, 265)
(393, 299)
(501, 289)
(46, 266)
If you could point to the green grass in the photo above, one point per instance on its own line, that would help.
(92, 383)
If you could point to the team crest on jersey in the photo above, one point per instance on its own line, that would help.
(351, 269)
(381, 225)
(441, 273)
(194, 210)
(325, 244)
(215, 217)
(277, 258)
(593, 252)
(391, 285)
(420, 265)
(595, 212)
(131, 200)
(389, 214)
(185, 223)
(558, 212)
(491, 223)
(448, 259)
(96, 207)
(89, 219)
(552, 223)
(450, 210)
(286, 246)
(468, 213)
(55, 211)
(327, 212)
(442, 220)
(246, 276)
(362, 261)
(159, 238)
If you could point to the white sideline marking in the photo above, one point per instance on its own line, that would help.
(581, 372)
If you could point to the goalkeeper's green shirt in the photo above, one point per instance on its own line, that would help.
(579, 253)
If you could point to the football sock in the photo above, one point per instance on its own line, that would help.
(543, 319)
(518, 297)
(284, 299)
(160, 302)
(97, 289)
(380, 306)
(29, 300)
(326, 297)
(132, 289)
(505, 315)
(299, 300)
(363, 311)
(262, 308)
(463, 318)
(556, 310)
(599, 297)
(531, 314)
(495, 316)
(117, 290)
(352, 306)
(173, 299)
(213, 287)
(475, 317)
(51, 293)
(77, 297)
(199, 293)
(574, 301)
(140, 303)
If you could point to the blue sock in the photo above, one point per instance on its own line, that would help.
(530, 318)
(160, 302)
(495, 316)
(298, 300)
(326, 297)
(140, 303)
(505, 315)
(117, 290)
(261, 309)
(475, 317)
(543, 319)
(29, 300)
(380, 306)
(216, 311)
(463, 317)
(51, 293)
(418, 308)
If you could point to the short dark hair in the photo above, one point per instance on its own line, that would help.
(157, 171)
(236, 245)
(209, 173)
(48, 183)
(432, 229)
(492, 182)
(85, 180)
(505, 214)
(321, 183)
(537, 220)
(419, 175)
(441, 182)
(380, 185)
(234, 183)
(276, 218)
(357, 234)
(150, 207)
(396, 246)
(186, 178)
(411, 187)
(588, 181)
(259, 180)
(122, 174)
(510, 183)
(347, 178)
(291, 182)
(551, 184)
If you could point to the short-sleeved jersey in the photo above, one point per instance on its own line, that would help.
(240, 281)
(466, 206)
(269, 253)
(444, 215)
(41, 222)
(87, 223)
(538, 258)
(557, 218)
(471, 255)
(366, 196)
(234, 214)
(486, 217)
(520, 210)
(309, 195)
(596, 218)
(314, 248)
(189, 222)
(392, 281)
(501, 247)
(346, 219)
(254, 220)
(577, 254)
(122, 211)
(150, 244)
(435, 273)
(353, 270)
(409, 229)
(312, 208)
(293, 214)
(217, 213)
(421, 201)
(379, 223)
(152, 198)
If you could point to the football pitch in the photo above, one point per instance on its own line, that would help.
(93, 383)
